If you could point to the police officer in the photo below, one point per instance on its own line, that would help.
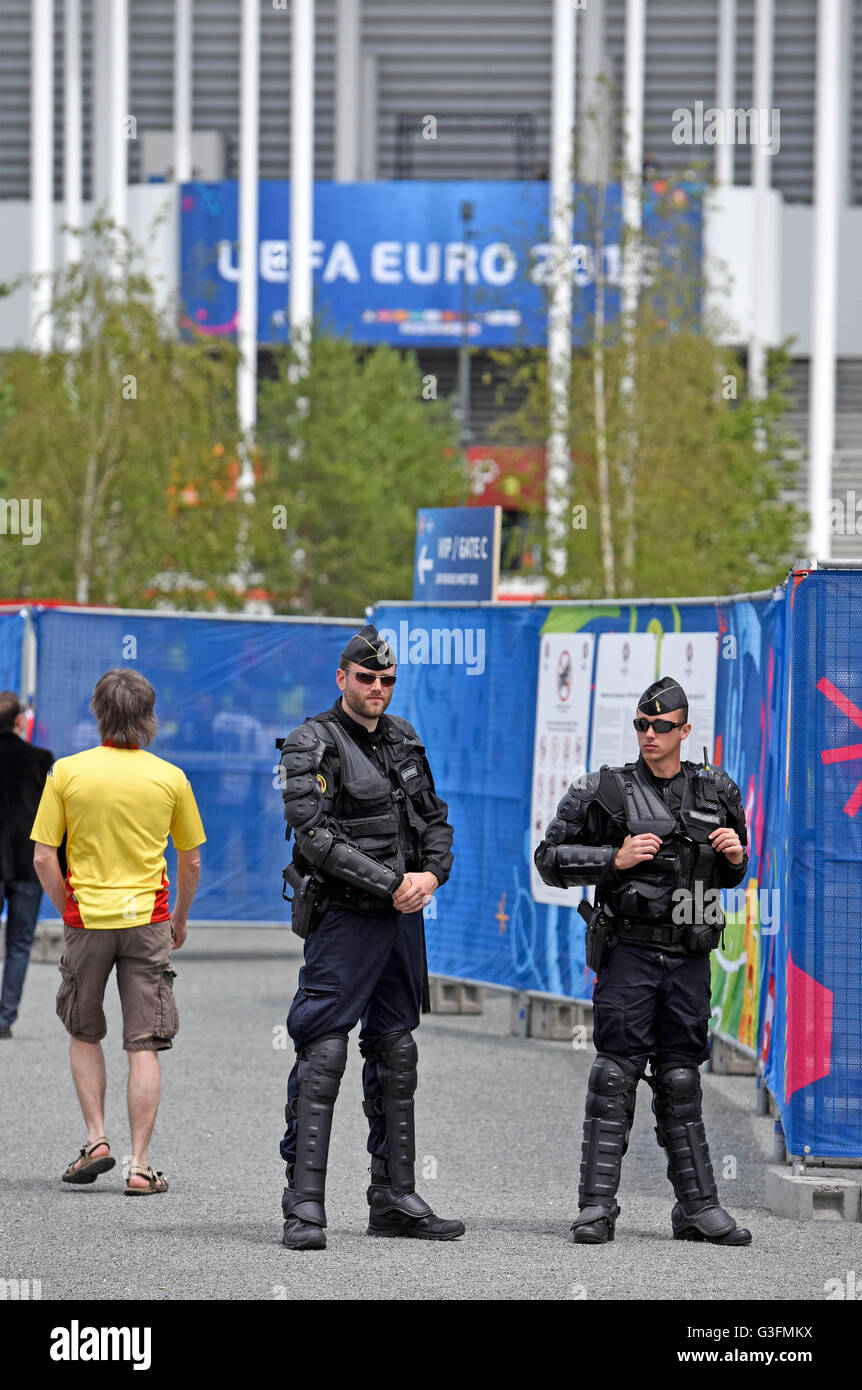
(372, 845)
(658, 838)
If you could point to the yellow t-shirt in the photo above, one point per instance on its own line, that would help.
(117, 807)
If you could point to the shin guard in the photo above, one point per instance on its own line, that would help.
(321, 1067)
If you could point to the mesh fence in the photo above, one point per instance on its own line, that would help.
(225, 689)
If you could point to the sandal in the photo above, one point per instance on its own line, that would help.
(86, 1168)
(156, 1181)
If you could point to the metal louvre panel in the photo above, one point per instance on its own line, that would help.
(485, 56)
(681, 63)
(854, 192)
(215, 103)
(151, 72)
(14, 98)
(437, 57)
(847, 458)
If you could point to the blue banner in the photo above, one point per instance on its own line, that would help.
(225, 690)
(475, 705)
(815, 1053)
(11, 632)
(398, 263)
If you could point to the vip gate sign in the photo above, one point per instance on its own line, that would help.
(392, 261)
(457, 555)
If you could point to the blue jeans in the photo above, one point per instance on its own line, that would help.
(22, 908)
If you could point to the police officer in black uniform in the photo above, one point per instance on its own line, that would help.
(372, 844)
(658, 838)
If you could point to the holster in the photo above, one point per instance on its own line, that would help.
(305, 903)
(599, 934)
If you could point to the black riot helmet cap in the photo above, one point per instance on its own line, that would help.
(664, 696)
(367, 648)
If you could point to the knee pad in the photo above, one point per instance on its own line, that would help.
(678, 1093)
(321, 1067)
(611, 1087)
(397, 1058)
(676, 1101)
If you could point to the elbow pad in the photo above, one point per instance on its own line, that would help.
(568, 866)
(320, 848)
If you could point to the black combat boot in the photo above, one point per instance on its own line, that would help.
(321, 1067)
(697, 1214)
(396, 1207)
(610, 1108)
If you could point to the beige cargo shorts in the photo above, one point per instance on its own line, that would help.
(145, 979)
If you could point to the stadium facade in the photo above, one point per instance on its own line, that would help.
(483, 69)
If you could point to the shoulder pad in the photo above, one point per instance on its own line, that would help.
(320, 724)
(401, 728)
(724, 782)
(303, 748)
(585, 786)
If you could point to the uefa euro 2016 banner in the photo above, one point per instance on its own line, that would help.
(397, 262)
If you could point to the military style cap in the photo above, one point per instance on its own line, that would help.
(367, 648)
(663, 696)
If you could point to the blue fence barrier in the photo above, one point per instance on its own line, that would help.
(813, 981)
(11, 633)
(225, 689)
(479, 729)
(788, 707)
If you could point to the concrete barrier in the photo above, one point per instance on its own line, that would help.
(454, 996)
(821, 1196)
(729, 1060)
(550, 1017)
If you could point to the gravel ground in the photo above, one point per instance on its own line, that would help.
(498, 1142)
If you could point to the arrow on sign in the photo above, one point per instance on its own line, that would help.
(423, 564)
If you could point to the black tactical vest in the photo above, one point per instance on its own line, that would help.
(375, 811)
(650, 891)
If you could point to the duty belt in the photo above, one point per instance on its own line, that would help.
(649, 933)
(356, 900)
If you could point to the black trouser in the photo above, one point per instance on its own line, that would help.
(648, 1008)
(367, 967)
(648, 1005)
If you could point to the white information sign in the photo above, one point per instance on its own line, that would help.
(692, 659)
(624, 668)
(560, 748)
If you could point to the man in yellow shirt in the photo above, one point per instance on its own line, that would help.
(117, 804)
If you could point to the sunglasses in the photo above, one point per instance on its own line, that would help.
(368, 678)
(661, 726)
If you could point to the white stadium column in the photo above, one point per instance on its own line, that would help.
(824, 271)
(248, 213)
(558, 472)
(41, 170)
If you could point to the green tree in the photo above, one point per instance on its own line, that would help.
(348, 453)
(127, 439)
(679, 478)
